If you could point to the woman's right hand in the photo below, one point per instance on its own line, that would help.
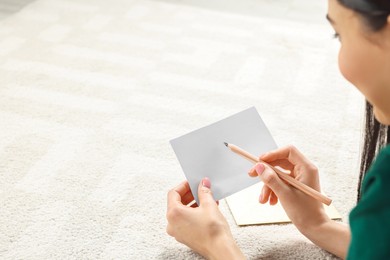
(304, 211)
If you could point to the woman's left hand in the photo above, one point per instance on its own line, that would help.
(202, 228)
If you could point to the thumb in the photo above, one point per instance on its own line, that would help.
(270, 178)
(204, 192)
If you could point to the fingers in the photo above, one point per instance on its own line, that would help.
(273, 199)
(268, 195)
(282, 165)
(252, 172)
(176, 194)
(271, 179)
(192, 204)
(204, 193)
(288, 152)
(187, 198)
(264, 195)
(182, 188)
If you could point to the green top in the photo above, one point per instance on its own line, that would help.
(370, 219)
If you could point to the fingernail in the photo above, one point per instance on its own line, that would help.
(259, 168)
(261, 196)
(206, 183)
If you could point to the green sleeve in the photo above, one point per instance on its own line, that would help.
(370, 219)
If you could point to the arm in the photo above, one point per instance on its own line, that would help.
(225, 248)
(332, 236)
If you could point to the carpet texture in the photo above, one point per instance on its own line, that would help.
(92, 91)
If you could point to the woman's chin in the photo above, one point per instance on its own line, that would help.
(382, 117)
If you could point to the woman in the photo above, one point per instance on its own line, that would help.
(363, 28)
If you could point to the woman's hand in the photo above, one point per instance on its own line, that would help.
(304, 211)
(202, 228)
(307, 214)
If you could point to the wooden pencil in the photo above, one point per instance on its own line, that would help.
(290, 180)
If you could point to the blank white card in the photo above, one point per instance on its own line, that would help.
(202, 153)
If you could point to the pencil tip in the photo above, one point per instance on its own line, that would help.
(226, 144)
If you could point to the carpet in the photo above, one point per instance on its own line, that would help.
(92, 91)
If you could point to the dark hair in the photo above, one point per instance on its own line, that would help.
(376, 136)
(374, 14)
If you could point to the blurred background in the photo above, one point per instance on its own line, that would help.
(304, 10)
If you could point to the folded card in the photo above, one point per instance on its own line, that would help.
(202, 153)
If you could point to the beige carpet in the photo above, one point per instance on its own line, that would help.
(92, 90)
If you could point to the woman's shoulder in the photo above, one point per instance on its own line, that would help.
(377, 180)
(385, 154)
(369, 219)
(381, 165)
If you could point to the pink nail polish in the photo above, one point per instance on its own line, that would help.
(260, 168)
(206, 182)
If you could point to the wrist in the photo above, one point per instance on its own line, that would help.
(224, 248)
(331, 236)
(315, 228)
(313, 225)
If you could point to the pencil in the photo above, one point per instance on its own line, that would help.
(290, 180)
